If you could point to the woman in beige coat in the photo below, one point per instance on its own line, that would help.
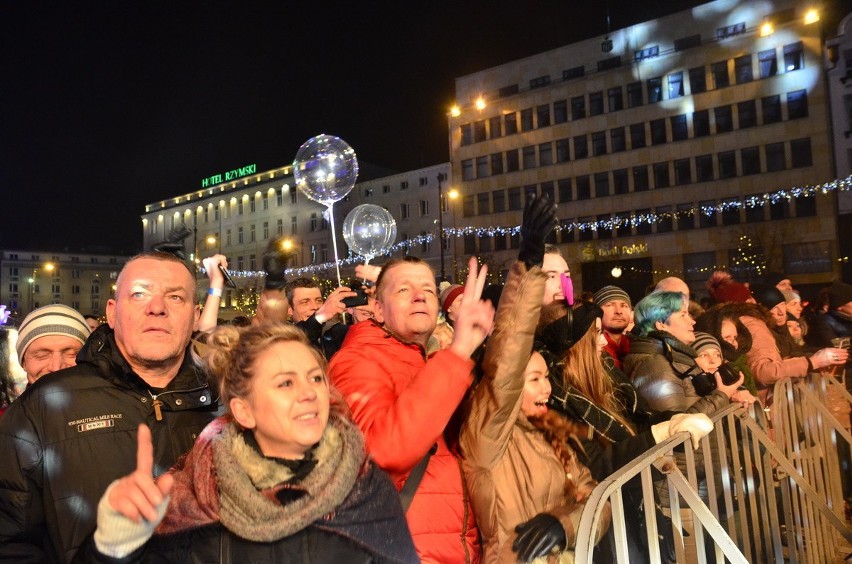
(527, 487)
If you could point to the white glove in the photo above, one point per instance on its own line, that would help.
(116, 535)
(698, 425)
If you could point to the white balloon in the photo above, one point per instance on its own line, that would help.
(369, 230)
(325, 169)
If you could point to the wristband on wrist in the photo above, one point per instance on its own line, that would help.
(215, 292)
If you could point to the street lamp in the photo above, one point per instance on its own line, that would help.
(441, 178)
(49, 267)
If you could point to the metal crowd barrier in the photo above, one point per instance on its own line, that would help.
(738, 498)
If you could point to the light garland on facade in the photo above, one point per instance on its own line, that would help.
(754, 201)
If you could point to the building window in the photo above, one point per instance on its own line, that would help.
(467, 169)
(510, 123)
(252, 233)
(779, 209)
(727, 165)
(675, 85)
(704, 168)
(707, 214)
(655, 90)
(616, 99)
(634, 94)
(294, 225)
(596, 103)
(227, 237)
(802, 258)
(466, 134)
(775, 157)
(805, 206)
(512, 162)
(565, 192)
(314, 222)
(280, 226)
(685, 217)
(560, 111)
(687, 42)
(482, 167)
(610, 63)
(403, 185)
(697, 80)
(404, 213)
(539, 82)
(602, 185)
(529, 156)
(604, 222)
(386, 189)
(479, 131)
(617, 140)
(647, 53)
(750, 157)
(368, 192)
(797, 104)
(640, 178)
(497, 163)
(731, 212)
(507, 91)
(754, 205)
(545, 154)
(771, 108)
(562, 150)
(742, 69)
(599, 143)
(658, 131)
(495, 127)
(661, 175)
(698, 266)
(730, 30)
(701, 123)
(527, 119)
(720, 74)
(724, 121)
(266, 230)
(584, 188)
(424, 208)
(581, 148)
(294, 196)
(643, 227)
(574, 72)
(747, 112)
(483, 201)
(620, 184)
(680, 131)
(637, 136)
(279, 201)
(800, 150)
(794, 57)
(578, 107)
(683, 172)
(239, 235)
(767, 61)
(543, 116)
(515, 198)
(499, 199)
(252, 206)
(664, 219)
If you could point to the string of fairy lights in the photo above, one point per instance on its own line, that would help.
(748, 256)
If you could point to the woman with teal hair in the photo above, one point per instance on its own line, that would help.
(661, 362)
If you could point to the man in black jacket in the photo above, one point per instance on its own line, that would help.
(74, 431)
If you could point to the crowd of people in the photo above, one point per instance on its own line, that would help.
(400, 422)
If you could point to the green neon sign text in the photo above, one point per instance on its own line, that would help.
(228, 175)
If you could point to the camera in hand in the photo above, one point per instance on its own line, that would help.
(705, 382)
(354, 301)
(729, 374)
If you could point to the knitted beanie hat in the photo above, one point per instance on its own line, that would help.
(56, 319)
(704, 341)
(723, 288)
(611, 293)
(449, 295)
(773, 278)
(766, 295)
(790, 295)
(839, 294)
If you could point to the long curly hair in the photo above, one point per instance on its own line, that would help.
(564, 436)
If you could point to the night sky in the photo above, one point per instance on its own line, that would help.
(109, 106)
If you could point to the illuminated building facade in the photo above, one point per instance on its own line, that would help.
(32, 279)
(665, 146)
(238, 216)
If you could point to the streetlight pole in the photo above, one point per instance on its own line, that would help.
(441, 178)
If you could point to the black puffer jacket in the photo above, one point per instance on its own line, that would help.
(73, 432)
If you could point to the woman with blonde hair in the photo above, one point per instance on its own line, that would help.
(283, 477)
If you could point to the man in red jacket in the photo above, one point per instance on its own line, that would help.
(403, 400)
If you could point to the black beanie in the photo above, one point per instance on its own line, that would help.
(766, 295)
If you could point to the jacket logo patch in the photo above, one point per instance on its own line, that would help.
(98, 422)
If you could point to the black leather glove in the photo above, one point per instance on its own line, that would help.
(176, 249)
(538, 536)
(539, 220)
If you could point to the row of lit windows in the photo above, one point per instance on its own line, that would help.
(637, 94)
(702, 168)
(640, 135)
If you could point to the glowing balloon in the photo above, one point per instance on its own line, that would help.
(325, 169)
(369, 230)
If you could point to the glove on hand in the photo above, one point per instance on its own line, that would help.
(697, 425)
(539, 220)
(538, 536)
(116, 535)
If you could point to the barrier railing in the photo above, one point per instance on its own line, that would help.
(723, 501)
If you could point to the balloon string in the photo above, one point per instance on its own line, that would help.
(334, 242)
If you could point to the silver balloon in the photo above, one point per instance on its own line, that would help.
(325, 169)
(369, 230)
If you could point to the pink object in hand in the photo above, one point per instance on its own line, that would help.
(567, 288)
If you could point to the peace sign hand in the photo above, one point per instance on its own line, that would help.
(475, 316)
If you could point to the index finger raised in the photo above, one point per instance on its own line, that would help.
(144, 451)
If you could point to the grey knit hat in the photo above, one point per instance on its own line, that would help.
(610, 293)
(703, 341)
(56, 319)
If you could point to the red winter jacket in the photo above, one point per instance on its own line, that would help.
(402, 402)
